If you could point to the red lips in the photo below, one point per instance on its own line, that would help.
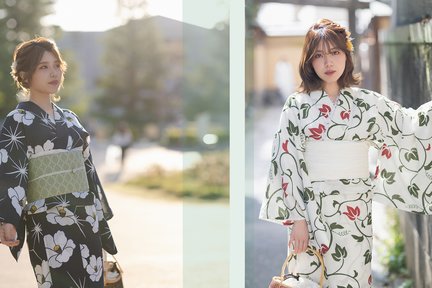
(329, 72)
(54, 82)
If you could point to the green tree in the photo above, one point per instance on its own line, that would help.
(20, 20)
(206, 85)
(132, 85)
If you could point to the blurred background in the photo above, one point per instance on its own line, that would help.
(392, 40)
(149, 81)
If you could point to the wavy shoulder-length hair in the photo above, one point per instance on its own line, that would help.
(329, 33)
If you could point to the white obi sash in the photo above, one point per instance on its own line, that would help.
(333, 160)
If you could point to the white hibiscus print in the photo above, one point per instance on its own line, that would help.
(43, 275)
(60, 215)
(99, 211)
(85, 253)
(3, 156)
(94, 268)
(37, 206)
(17, 196)
(81, 195)
(58, 248)
(92, 218)
(70, 119)
(22, 116)
(47, 146)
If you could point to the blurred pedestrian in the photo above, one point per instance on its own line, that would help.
(319, 184)
(123, 138)
(49, 187)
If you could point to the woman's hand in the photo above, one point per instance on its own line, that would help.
(8, 235)
(299, 238)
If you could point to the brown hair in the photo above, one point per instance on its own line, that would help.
(328, 32)
(27, 56)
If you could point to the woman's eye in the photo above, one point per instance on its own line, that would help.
(336, 52)
(318, 55)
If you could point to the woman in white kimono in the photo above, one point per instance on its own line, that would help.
(319, 184)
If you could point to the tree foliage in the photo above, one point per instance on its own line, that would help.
(20, 20)
(206, 85)
(134, 70)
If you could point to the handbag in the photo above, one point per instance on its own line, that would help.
(113, 274)
(294, 281)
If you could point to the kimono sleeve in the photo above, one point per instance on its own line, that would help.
(13, 172)
(95, 183)
(283, 200)
(404, 171)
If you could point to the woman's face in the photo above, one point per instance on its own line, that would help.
(329, 63)
(47, 77)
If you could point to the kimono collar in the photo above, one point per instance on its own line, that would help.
(318, 94)
(37, 110)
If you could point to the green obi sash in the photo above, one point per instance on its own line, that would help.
(56, 173)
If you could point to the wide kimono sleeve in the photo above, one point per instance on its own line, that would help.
(404, 170)
(13, 172)
(284, 201)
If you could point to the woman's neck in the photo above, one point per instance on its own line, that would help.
(332, 91)
(43, 101)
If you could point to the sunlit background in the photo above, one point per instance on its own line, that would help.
(151, 76)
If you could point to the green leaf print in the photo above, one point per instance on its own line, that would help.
(358, 238)
(423, 119)
(413, 155)
(368, 256)
(335, 192)
(398, 197)
(308, 195)
(394, 131)
(292, 129)
(387, 114)
(305, 107)
(389, 176)
(413, 190)
(303, 166)
(339, 253)
(348, 94)
(282, 213)
(335, 226)
(362, 104)
(267, 191)
(275, 167)
(429, 166)
(371, 122)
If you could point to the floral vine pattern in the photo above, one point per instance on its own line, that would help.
(338, 212)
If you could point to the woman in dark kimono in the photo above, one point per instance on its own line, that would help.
(48, 183)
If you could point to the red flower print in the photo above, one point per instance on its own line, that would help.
(288, 222)
(429, 147)
(285, 146)
(284, 187)
(370, 280)
(325, 110)
(352, 213)
(345, 114)
(316, 132)
(377, 171)
(324, 249)
(385, 151)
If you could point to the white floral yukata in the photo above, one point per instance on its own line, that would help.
(65, 233)
(338, 212)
